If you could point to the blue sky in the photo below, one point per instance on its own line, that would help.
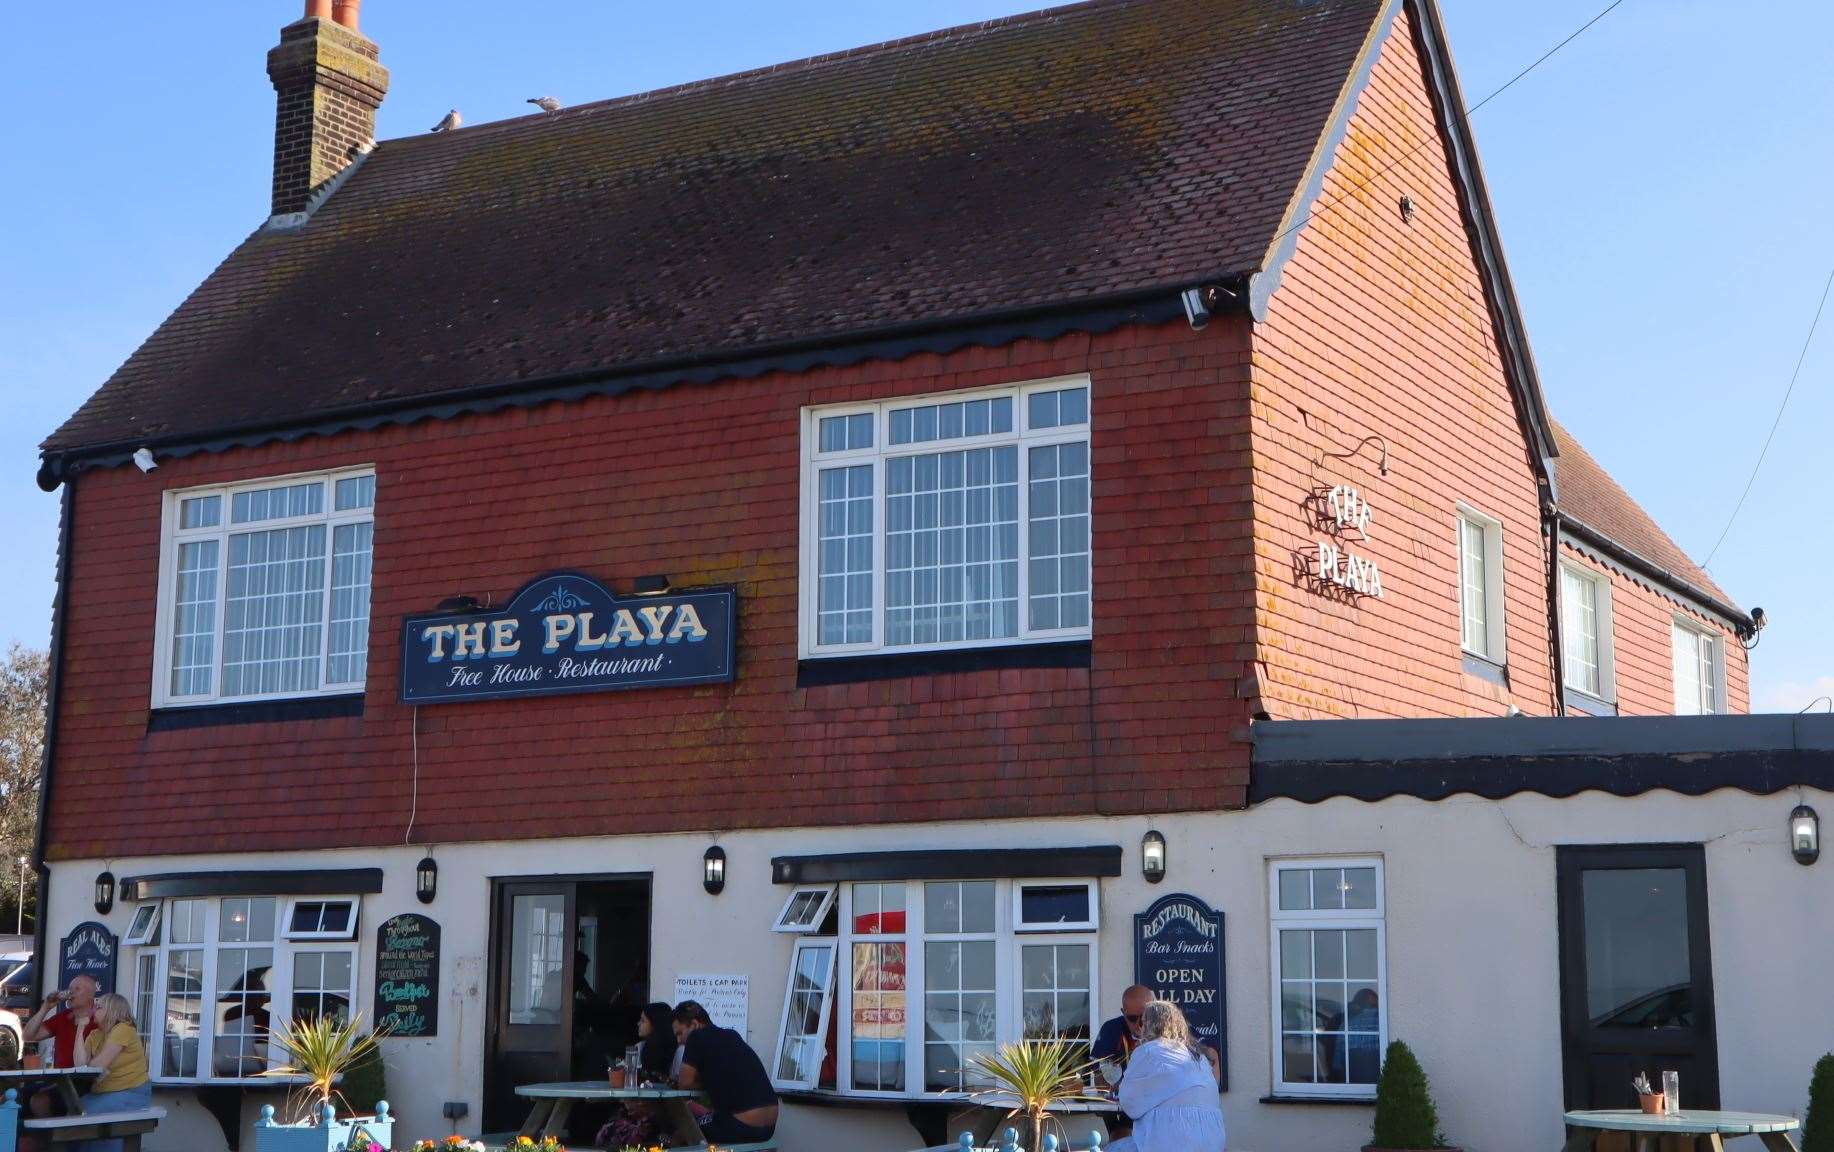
(1662, 187)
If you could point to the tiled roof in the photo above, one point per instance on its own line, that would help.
(1588, 494)
(1074, 155)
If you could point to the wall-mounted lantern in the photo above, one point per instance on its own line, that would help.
(105, 892)
(713, 870)
(1804, 834)
(1152, 857)
(426, 879)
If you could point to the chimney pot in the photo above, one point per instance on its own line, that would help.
(345, 12)
(318, 9)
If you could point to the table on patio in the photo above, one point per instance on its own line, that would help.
(553, 1103)
(66, 1080)
(1688, 1130)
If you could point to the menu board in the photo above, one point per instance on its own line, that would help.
(407, 975)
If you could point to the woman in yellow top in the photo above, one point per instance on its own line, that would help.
(114, 1046)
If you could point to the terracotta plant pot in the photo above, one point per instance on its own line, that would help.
(616, 1075)
(31, 1060)
(1651, 1103)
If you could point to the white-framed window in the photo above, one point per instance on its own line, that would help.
(802, 1043)
(929, 974)
(1480, 585)
(145, 926)
(805, 910)
(1057, 906)
(319, 919)
(1585, 632)
(213, 975)
(1330, 990)
(1700, 670)
(948, 521)
(264, 589)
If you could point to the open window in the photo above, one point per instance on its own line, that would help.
(807, 1003)
(805, 910)
(145, 928)
(1055, 906)
(322, 920)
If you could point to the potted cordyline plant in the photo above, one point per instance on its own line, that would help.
(1405, 1117)
(322, 1050)
(1034, 1075)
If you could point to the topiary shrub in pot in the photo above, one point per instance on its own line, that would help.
(1405, 1118)
(1818, 1122)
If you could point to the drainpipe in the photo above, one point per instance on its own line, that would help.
(53, 681)
(1550, 520)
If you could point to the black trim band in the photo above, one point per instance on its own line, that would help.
(254, 712)
(293, 882)
(899, 665)
(949, 864)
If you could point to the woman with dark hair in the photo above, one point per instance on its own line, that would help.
(655, 1029)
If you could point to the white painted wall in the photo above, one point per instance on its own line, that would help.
(1471, 937)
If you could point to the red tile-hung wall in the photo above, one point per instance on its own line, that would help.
(1381, 328)
(1642, 623)
(700, 482)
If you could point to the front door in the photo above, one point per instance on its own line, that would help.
(1636, 974)
(532, 1001)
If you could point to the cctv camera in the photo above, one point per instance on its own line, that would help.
(1195, 310)
(143, 459)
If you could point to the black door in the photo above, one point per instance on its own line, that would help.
(532, 1002)
(1636, 973)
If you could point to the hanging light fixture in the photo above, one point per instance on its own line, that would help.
(105, 892)
(426, 879)
(713, 870)
(1152, 857)
(1804, 834)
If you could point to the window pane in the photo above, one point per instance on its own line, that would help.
(1359, 888)
(1059, 535)
(958, 1009)
(274, 611)
(1695, 674)
(146, 994)
(951, 546)
(355, 492)
(877, 1030)
(1474, 587)
(194, 618)
(878, 908)
(243, 987)
(1327, 888)
(350, 568)
(184, 1010)
(1579, 630)
(200, 512)
(185, 922)
(538, 938)
(1295, 889)
(844, 556)
(1057, 409)
(1638, 964)
(277, 503)
(845, 433)
(1054, 904)
(977, 906)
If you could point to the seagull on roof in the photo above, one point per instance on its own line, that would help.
(450, 121)
(545, 103)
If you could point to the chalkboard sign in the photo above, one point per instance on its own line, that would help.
(1178, 953)
(407, 976)
(89, 950)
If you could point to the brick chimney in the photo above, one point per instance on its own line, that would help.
(328, 86)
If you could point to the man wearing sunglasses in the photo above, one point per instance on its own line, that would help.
(1121, 1035)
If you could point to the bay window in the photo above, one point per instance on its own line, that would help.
(921, 977)
(212, 975)
(264, 589)
(1329, 976)
(955, 521)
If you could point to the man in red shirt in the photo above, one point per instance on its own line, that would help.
(66, 1030)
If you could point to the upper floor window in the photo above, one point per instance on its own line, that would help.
(264, 589)
(1698, 671)
(952, 521)
(1480, 585)
(1585, 631)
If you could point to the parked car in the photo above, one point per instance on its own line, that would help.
(12, 1039)
(18, 982)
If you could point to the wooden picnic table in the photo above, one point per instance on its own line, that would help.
(65, 1080)
(1688, 1130)
(554, 1102)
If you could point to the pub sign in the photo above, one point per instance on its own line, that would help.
(1178, 953)
(89, 950)
(566, 632)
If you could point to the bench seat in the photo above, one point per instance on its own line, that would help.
(99, 1126)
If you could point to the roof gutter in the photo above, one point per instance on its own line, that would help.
(53, 681)
(1739, 619)
(1153, 305)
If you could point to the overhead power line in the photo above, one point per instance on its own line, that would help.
(1392, 164)
(1774, 424)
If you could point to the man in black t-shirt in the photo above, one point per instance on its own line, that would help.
(720, 1063)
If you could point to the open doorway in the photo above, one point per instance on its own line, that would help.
(570, 964)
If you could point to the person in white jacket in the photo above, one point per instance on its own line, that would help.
(1170, 1089)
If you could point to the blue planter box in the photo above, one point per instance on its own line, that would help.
(328, 1135)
